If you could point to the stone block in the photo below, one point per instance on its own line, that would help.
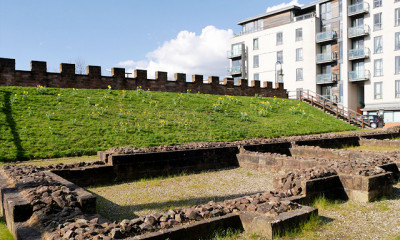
(38, 67)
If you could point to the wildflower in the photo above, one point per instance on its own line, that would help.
(109, 87)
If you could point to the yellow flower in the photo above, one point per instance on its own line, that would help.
(109, 87)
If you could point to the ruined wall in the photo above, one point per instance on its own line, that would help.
(94, 80)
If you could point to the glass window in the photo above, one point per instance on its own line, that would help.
(326, 11)
(255, 44)
(279, 56)
(255, 61)
(397, 41)
(299, 54)
(299, 74)
(397, 17)
(377, 21)
(397, 65)
(378, 90)
(378, 44)
(377, 3)
(279, 38)
(256, 77)
(299, 34)
(378, 67)
(397, 88)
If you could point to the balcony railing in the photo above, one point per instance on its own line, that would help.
(235, 70)
(358, 8)
(326, 78)
(326, 36)
(356, 76)
(359, 53)
(234, 53)
(358, 31)
(326, 57)
(305, 16)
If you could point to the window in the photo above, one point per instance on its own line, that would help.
(378, 67)
(279, 56)
(299, 74)
(299, 54)
(397, 65)
(256, 77)
(326, 11)
(397, 17)
(378, 90)
(377, 21)
(299, 34)
(377, 3)
(255, 61)
(397, 41)
(378, 44)
(279, 38)
(255, 44)
(397, 89)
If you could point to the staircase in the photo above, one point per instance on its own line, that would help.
(328, 106)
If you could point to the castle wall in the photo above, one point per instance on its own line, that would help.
(94, 80)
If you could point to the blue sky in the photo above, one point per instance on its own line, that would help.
(122, 33)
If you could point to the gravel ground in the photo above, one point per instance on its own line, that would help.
(352, 220)
(348, 220)
(131, 199)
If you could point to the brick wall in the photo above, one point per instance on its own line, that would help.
(93, 80)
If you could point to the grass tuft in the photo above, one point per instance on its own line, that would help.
(324, 203)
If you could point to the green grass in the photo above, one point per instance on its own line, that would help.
(373, 148)
(324, 203)
(306, 229)
(4, 233)
(41, 123)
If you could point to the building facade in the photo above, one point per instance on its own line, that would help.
(345, 50)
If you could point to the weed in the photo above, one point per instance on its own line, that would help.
(229, 233)
(304, 228)
(244, 116)
(322, 202)
(41, 89)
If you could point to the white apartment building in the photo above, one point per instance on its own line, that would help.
(346, 50)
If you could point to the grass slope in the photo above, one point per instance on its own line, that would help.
(47, 123)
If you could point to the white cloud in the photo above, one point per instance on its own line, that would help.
(189, 53)
(283, 5)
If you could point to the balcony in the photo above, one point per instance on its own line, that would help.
(358, 8)
(326, 78)
(304, 17)
(326, 57)
(357, 76)
(234, 53)
(235, 70)
(360, 53)
(358, 31)
(326, 36)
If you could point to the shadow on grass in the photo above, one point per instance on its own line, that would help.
(7, 110)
